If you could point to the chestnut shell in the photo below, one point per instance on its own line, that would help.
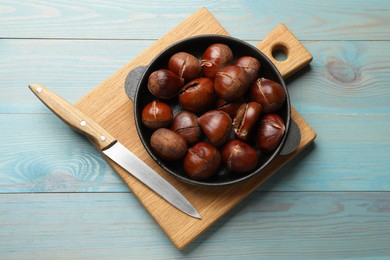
(165, 84)
(185, 65)
(239, 157)
(197, 95)
(169, 145)
(217, 126)
(251, 66)
(269, 94)
(270, 132)
(214, 58)
(186, 124)
(157, 115)
(196, 46)
(231, 83)
(202, 161)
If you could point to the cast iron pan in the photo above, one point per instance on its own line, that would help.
(137, 90)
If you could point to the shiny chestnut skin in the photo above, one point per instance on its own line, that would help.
(186, 124)
(270, 132)
(239, 157)
(229, 107)
(197, 95)
(185, 65)
(157, 114)
(164, 83)
(231, 83)
(251, 66)
(215, 57)
(269, 94)
(202, 161)
(246, 119)
(217, 126)
(168, 145)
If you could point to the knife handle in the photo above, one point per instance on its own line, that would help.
(73, 117)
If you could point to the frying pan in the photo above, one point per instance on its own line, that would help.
(137, 90)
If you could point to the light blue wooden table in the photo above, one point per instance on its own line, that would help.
(60, 199)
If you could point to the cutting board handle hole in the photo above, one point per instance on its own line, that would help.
(280, 52)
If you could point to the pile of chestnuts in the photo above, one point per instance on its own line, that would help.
(229, 113)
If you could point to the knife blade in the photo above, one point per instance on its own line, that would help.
(113, 149)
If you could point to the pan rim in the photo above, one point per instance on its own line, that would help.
(215, 38)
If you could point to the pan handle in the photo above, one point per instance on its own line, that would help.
(132, 81)
(294, 134)
(293, 139)
(282, 39)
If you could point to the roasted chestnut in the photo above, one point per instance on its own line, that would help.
(239, 157)
(197, 95)
(164, 83)
(231, 83)
(185, 65)
(215, 57)
(202, 161)
(251, 66)
(269, 94)
(186, 124)
(157, 114)
(246, 119)
(270, 132)
(168, 145)
(217, 126)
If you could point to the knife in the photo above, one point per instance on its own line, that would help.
(112, 148)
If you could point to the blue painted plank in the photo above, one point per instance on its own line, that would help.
(344, 77)
(42, 154)
(313, 20)
(266, 225)
(79, 208)
(350, 153)
(70, 68)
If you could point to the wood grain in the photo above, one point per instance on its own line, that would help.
(72, 46)
(333, 20)
(282, 225)
(65, 162)
(109, 106)
(341, 74)
(296, 55)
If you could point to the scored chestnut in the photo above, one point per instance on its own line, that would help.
(239, 157)
(185, 65)
(164, 83)
(270, 132)
(168, 145)
(246, 119)
(186, 124)
(197, 95)
(217, 126)
(231, 83)
(202, 161)
(269, 94)
(215, 57)
(157, 114)
(251, 66)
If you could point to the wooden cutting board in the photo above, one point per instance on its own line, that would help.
(109, 105)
